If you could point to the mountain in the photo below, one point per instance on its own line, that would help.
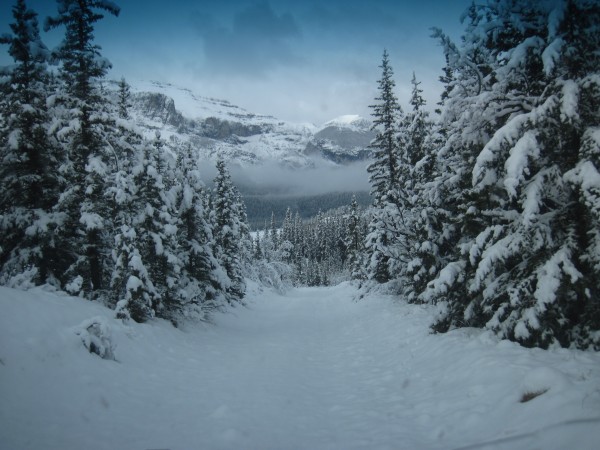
(342, 140)
(218, 128)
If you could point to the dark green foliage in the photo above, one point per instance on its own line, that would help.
(85, 133)
(386, 114)
(385, 177)
(29, 157)
(231, 231)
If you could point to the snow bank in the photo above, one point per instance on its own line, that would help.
(316, 369)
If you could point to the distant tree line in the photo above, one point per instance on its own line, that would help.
(90, 206)
(261, 207)
(492, 212)
(320, 251)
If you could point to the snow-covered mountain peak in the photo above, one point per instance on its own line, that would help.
(349, 121)
(197, 107)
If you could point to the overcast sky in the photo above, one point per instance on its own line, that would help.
(302, 61)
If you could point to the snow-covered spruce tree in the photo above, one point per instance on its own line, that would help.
(245, 237)
(286, 249)
(417, 128)
(529, 269)
(201, 276)
(384, 229)
(354, 241)
(466, 128)
(132, 291)
(147, 271)
(29, 157)
(85, 237)
(417, 141)
(229, 232)
(273, 234)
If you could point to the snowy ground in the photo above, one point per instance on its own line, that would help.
(311, 370)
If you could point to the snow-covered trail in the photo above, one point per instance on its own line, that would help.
(314, 369)
(313, 374)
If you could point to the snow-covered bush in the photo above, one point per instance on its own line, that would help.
(276, 275)
(96, 336)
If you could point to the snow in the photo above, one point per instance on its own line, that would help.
(569, 101)
(13, 139)
(92, 221)
(551, 55)
(555, 18)
(550, 274)
(517, 56)
(75, 285)
(196, 106)
(349, 121)
(525, 148)
(314, 369)
(584, 174)
(448, 275)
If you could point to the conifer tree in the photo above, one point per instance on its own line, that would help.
(384, 169)
(85, 235)
(200, 282)
(417, 140)
(381, 258)
(29, 157)
(523, 149)
(148, 268)
(416, 130)
(354, 240)
(229, 231)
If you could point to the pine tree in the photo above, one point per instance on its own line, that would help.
(148, 269)
(229, 231)
(200, 281)
(354, 240)
(417, 146)
(124, 99)
(85, 235)
(381, 258)
(82, 62)
(416, 129)
(29, 157)
(287, 238)
(384, 169)
(526, 263)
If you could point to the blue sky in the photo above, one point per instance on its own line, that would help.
(303, 61)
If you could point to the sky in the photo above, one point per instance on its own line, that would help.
(300, 61)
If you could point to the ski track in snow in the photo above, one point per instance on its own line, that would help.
(314, 369)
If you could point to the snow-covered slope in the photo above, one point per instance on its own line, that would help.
(314, 369)
(344, 139)
(217, 127)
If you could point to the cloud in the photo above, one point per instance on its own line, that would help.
(257, 40)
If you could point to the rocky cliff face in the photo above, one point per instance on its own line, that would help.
(158, 107)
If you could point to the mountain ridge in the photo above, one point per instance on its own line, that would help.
(218, 128)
